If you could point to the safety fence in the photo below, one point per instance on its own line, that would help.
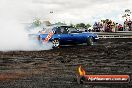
(119, 34)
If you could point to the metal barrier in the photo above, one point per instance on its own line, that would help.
(119, 34)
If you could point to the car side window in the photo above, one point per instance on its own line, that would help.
(64, 30)
(72, 30)
(58, 30)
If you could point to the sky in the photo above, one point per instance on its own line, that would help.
(68, 11)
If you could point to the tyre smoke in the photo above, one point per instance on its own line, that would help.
(13, 35)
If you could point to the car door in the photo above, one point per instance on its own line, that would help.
(64, 37)
(77, 36)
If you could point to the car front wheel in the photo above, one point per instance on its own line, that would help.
(56, 43)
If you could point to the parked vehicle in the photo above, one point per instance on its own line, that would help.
(65, 35)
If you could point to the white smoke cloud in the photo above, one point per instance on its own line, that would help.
(12, 32)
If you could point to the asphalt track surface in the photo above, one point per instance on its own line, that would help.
(58, 68)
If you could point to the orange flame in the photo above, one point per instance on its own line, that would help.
(81, 71)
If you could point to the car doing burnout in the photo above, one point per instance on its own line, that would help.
(67, 35)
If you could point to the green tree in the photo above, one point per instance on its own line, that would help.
(72, 25)
(60, 23)
(88, 25)
(80, 25)
(127, 13)
(77, 26)
(37, 22)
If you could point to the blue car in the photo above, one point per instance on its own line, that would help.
(67, 35)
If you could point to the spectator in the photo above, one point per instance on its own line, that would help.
(113, 26)
(116, 27)
(120, 27)
(95, 26)
(130, 25)
(101, 27)
(126, 28)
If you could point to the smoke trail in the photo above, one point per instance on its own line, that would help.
(12, 33)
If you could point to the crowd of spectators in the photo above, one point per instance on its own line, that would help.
(128, 25)
(110, 26)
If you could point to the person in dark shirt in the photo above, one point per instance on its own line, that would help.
(130, 25)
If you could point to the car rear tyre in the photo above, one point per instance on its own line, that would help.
(56, 43)
(90, 41)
